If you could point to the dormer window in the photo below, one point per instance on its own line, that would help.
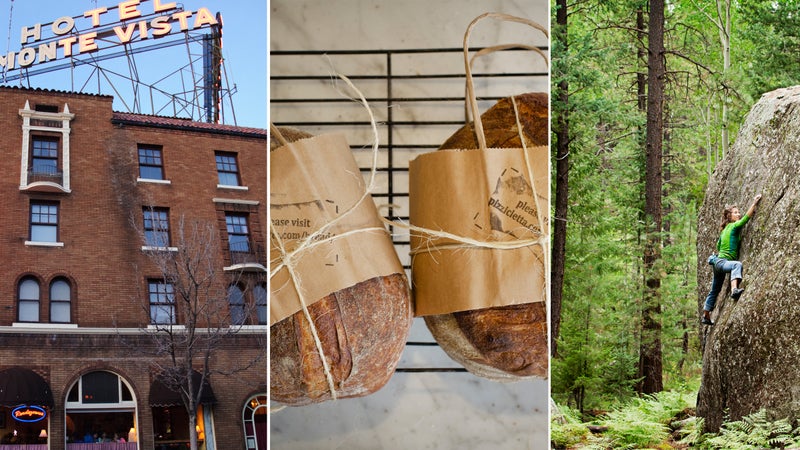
(45, 148)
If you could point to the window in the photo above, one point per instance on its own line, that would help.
(44, 222)
(238, 235)
(101, 402)
(260, 297)
(44, 156)
(162, 302)
(151, 165)
(227, 169)
(45, 148)
(156, 227)
(254, 419)
(28, 300)
(60, 301)
(238, 310)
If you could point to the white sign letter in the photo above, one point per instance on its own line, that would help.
(35, 33)
(127, 10)
(63, 25)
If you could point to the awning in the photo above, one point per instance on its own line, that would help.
(162, 395)
(19, 386)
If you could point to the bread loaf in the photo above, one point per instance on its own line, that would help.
(362, 330)
(504, 343)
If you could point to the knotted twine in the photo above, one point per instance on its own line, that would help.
(288, 259)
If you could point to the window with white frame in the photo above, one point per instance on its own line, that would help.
(28, 300)
(60, 301)
(44, 222)
(45, 147)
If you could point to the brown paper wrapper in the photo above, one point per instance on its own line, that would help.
(485, 195)
(316, 185)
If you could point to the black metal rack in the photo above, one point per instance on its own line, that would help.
(417, 96)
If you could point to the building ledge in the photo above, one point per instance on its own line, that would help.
(152, 248)
(45, 186)
(46, 326)
(245, 267)
(152, 180)
(43, 244)
(231, 187)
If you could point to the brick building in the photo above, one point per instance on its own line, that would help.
(89, 200)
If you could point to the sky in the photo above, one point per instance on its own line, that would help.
(244, 53)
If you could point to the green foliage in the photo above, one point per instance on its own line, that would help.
(600, 330)
(567, 429)
(657, 421)
(754, 432)
(771, 35)
(638, 423)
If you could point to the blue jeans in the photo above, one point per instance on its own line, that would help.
(721, 268)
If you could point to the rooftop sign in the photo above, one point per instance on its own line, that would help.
(130, 22)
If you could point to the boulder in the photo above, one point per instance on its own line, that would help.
(751, 356)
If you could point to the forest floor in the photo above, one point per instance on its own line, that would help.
(666, 421)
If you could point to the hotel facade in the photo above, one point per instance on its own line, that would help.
(89, 200)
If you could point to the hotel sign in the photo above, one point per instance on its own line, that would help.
(27, 413)
(123, 26)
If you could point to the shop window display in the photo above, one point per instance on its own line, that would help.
(100, 408)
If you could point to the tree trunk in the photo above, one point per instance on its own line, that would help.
(724, 14)
(561, 129)
(650, 363)
(193, 430)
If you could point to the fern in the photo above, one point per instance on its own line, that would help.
(689, 430)
(754, 431)
(566, 428)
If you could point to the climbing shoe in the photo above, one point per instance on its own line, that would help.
(736, 293)
(706, 321)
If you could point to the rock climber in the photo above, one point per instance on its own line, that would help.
(724, 261)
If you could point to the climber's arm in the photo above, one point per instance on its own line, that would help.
(752, 209)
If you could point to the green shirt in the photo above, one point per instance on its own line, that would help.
(728, 243)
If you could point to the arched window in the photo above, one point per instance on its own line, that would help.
(254, 418)
(236, 300)
(260, 297)
(28, 299)
(101, 403)
(60, 301)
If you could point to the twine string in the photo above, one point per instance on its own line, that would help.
(492, 49)
(462, 242)
(470, 85)
(288, 259)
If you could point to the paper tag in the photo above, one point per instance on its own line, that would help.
(317, 205)
(485, 195)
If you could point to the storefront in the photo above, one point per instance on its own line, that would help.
(171, 420)
(25, 404)
(101, 408)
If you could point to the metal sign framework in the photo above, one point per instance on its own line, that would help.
(196, 87)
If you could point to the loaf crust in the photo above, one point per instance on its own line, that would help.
(362, 330)
(505, 343)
